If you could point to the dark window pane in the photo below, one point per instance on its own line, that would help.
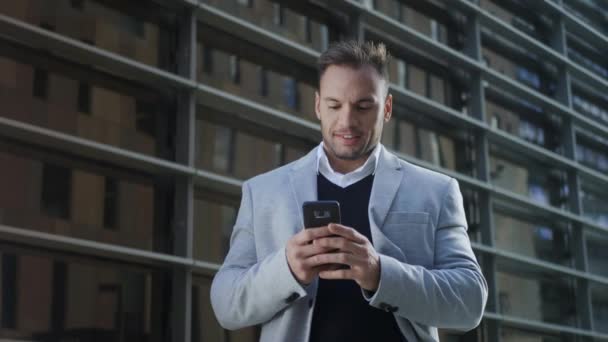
(205, 327)
(142, 31)
(9, 290)
(76, 201)
(84, 98)
(116, 113)
(536, 296)
(111, 203)
(75, 300)
(56, 191)
(41, 83)
(213, 222)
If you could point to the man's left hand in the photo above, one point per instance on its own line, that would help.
(356, 251)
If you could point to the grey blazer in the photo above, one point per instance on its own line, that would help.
(429, 276)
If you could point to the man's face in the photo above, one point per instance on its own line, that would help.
(352, 106)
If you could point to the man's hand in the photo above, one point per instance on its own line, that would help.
(300, 250)
(355, 250)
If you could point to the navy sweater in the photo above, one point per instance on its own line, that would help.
(341, 313)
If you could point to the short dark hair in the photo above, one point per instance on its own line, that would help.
(355, 54)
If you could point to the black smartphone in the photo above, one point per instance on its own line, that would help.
(320, 213)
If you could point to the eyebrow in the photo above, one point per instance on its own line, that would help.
(365, 99)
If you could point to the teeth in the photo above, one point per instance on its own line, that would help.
(348, 137)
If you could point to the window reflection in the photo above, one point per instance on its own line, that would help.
(204, 325)
(546, 187)
(213, 223)
(595, 205)
(597, 249)
(59, 199)
(538, 297)
(599, 294)
(55, 299)
(235, 152)
(536, 240)
(279, 19)
(256, 82)
(113, 27)
(413, 135)
(508, 334)
(79, 107)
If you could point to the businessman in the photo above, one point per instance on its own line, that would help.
(410, 267)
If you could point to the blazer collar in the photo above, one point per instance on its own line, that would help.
(303, 178)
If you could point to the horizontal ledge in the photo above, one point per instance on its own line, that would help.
(542, 326)
(503, 28)
(539, 264)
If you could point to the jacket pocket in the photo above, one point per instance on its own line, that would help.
(406, 217)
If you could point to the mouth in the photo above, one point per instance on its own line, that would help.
(347, 139)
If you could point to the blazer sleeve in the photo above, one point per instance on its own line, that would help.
(451, 295)
(245, 291)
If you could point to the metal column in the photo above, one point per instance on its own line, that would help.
(183, 223)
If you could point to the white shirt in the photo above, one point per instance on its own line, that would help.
(346, 179)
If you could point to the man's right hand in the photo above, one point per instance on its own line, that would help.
(299, 248)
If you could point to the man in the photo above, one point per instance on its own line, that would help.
(403, 233)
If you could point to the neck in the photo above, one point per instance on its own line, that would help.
(345, 166)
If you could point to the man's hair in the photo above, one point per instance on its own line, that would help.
(355, 54)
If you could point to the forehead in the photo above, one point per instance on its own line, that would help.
(344, 80)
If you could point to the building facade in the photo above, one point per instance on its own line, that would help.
(127, 128)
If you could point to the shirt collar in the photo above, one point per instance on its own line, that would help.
(370, 164)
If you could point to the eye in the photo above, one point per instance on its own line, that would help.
(334, 107)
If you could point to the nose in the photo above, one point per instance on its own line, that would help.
(347, 117)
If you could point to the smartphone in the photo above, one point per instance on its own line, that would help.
(320, 213)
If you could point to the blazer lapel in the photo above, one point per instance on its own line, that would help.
(303, 178)
(387, 180)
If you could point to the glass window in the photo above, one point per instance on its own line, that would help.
(592, 156)
(597, 254)
(533, 239)
(413, 134)
(508, 334)
(213, 223)
(260, 83)
(595, 205)
(117, 28)
(308, 29)
(240, 154)
(519, 17)
(204, 324)
(429, 18)
(524, 177)
(67, 299)
(534, 296)
(599, 299)
(62, 199)
(123, 116)
(520, 66)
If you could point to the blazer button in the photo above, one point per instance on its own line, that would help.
(384, 307)
(292, 297)
(393, 308)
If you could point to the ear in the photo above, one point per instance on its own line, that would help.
(388, 107)
(318, 105)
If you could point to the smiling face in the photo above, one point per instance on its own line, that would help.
(352, 105)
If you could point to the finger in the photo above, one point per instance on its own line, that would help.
(309, 234)
(337, 274)
(342, 244)
(332, 258)
(309, 250)
(347, 232)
